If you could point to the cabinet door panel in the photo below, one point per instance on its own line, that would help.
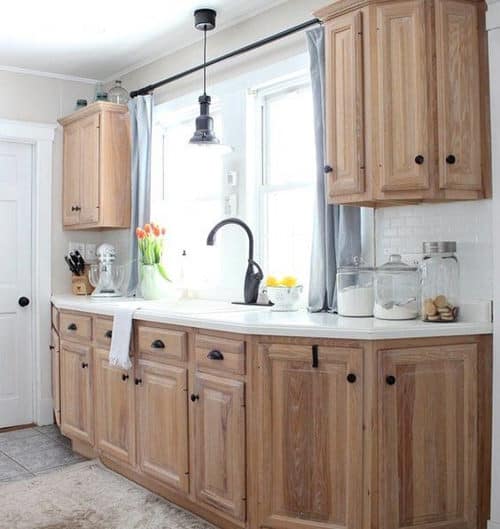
(459, 107)
(312, 438)
(428, 438)
(72, 172)
(219, 453)
(344, 105)
(115, 412)
(89, 179)
(403, 81)
(76, 395)
(163, 423)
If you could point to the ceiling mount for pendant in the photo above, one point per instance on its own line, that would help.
(204, 19)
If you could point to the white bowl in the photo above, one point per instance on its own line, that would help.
(285, 299)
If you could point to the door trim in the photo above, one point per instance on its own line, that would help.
(41, 137)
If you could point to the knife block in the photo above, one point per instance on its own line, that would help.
(80, 285)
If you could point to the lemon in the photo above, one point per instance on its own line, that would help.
(289, 281)
(272, 281)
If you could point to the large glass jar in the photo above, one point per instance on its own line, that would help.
(355, 294)
(118, 94)
(440, 282)
(396, 290)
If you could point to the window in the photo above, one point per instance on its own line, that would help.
(287, 176)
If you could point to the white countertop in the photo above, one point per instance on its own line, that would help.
(221, 316)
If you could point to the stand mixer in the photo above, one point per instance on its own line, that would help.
(105, 276)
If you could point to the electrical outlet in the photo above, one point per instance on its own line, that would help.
(90, 252)
(231, 205)
(80, 246)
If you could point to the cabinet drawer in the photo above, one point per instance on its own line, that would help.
(103, 328)
(76, 327)
(162, 343)
(222, 354)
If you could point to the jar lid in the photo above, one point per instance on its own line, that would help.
(357, 265)
(439, 247)
(396, 264)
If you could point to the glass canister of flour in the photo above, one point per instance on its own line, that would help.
(396, 290)
(355, 291)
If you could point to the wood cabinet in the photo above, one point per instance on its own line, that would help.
(406, 101)
(55, 375)
(219, 443)
(77, 416)
(114, 409)
(162, 414)
(428, 437)
(311, 441)
(96, 167)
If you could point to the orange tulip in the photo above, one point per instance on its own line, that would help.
(147, 228)
(156, 231)
(140, 233)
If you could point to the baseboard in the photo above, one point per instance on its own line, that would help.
(493, 525)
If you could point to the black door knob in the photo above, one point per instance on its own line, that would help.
(23, 301)
(328, 168)
(451, 159)
(84, 365)
(108, 334)
(390, 380)
(194, 397)
(138, 381)
(419, 159)
(124, 377)
(351, 378)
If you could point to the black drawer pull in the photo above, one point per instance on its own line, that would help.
(124, 377)
(194, 397)
(328, 169)
(390, 380)
(419, 159)
(72, 327)
(138, 381)
(215, 355)
(84, 365)
(158, 344)
(351, 378)
(108, 334)
(315, 358)
(451, 159)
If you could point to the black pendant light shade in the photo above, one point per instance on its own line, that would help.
(204, 135)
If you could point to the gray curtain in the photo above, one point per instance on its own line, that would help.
(141, 118)
(337, 229)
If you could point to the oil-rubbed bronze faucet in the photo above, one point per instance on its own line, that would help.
(254, 274)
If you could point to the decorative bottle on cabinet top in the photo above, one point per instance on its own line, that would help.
(118, 94)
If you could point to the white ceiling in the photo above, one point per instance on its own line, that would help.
(98, 38)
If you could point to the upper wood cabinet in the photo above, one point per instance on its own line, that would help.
(406, 101)
(96, 167)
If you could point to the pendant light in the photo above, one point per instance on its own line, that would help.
(204, 136)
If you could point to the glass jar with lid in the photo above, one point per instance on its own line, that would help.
(440, 273)
(355, 294)
(118, 94)
(396, 290)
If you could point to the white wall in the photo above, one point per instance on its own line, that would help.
(43, 99)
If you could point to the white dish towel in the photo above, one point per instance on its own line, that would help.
(119, 354)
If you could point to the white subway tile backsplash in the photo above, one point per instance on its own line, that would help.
(402, 230)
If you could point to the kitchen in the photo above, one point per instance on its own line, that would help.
(370, 229)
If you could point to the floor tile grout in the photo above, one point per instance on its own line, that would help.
(17, 463)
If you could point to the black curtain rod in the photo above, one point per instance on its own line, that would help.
(148, 89)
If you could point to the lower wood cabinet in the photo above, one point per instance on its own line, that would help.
(218, 410)
(77, 418)
(162, 414)
(311, 438)
(114, 409)
(428, 437)
(56, 375)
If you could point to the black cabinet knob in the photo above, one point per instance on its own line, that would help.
(158, 344)
(108, 334)
(419, 159)
(138, 381)
(125, 377)
(351, 378)
(451, 159)
(72, 327)
(194, 397)
(390, 380)
(23, 301)
(215, 355)
(328, 169)
(84, 365)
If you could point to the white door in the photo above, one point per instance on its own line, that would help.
(16, 362)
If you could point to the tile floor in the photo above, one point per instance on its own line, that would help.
(26, 453)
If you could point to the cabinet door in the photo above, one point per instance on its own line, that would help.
(72, 172)
(403, 93)
(76, 395)
(219, 443)
(89, 179)
(344, 105)
(311, 443)
(115, 409)
(458, 81)
(56, 380)
(428, 437)
(163, 423)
